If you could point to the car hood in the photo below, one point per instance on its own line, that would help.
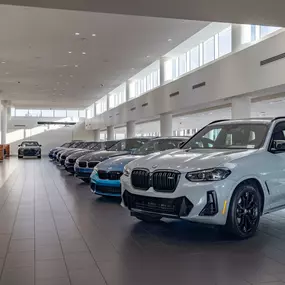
(116, 163)
(29, 147)
(78, 153)
(70, 151)
(102, 155)
(189, 160)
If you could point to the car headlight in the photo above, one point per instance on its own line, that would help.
(127, 171)
(213, 174)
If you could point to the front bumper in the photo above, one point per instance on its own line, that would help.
(69, 167)
(29, 153)
(205, 202)
(82, 172)
(105, 187)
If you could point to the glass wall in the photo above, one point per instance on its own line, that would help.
(101, 105)
(117, 96)
(145, 81)
(216, 46)
(48, 113)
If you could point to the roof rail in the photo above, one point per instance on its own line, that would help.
(278, 118)
(218, 121)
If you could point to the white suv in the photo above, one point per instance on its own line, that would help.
(230, 173)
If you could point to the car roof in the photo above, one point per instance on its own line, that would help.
(172, 137)
(244, 121)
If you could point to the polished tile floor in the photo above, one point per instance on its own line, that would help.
(53, 231)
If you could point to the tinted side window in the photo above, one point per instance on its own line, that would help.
(278, 134)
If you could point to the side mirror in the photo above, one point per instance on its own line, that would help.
(40, 145)
(278, 145)
(19, 145)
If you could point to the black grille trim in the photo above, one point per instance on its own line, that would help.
(92, 164)
(165, 180)
(108, 189)
(140, 178)
(174, 207)
(82, 163)
(161, 180)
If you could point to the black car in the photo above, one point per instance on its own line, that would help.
(91, 147)
(84, 165)
(29, 149)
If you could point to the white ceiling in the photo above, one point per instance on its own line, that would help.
(39, 71)
(243, 11)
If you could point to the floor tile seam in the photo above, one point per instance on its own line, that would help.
(52, 214)
(9, 242)
(86, 244)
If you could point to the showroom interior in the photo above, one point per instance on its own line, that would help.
(78, 78)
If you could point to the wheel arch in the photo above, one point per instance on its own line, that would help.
(258, 184)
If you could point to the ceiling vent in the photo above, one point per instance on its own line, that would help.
(199, 85)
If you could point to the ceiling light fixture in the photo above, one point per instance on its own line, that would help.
(84, 52)
(76, 65)
(3, 62)
(77, 34)
(148, 56)
(7, 73)
(70, 52)
(93, 35)
(170, 40)
(71, 75)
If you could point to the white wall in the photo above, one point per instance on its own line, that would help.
(48, 138)
(234, 75)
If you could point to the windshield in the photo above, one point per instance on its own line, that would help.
(229, 136)
(128, 145)
(109, 144)
(158, 145)
(29, 144)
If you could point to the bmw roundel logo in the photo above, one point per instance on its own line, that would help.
(154, 166)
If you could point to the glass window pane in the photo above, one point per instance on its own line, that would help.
(225, 41)
(22, 113)
(35, 113)
(194, 60)
(266, 30)
(72, 113)
(188, 63)
(60, 113)
(82, 113)
(209, 50)
(47, 113)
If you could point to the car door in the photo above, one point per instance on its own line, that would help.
(275, 177)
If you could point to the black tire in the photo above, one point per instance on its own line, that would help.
(39, 157)
(19, 156)
(245, 211)
(148, 218)
(86, 180)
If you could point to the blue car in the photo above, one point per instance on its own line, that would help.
(84, 165)
(105, 178)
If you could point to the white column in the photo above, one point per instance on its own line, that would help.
(97, 135)
(131, 129)
(162, 69)
(3, 124)
(241, 108)
(110, 133)
(166, 124)
(128, 90)
(241, 34)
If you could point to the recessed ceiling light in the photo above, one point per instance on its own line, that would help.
(65, 65)
(3, 62)
(60, 94)
(7, 73)
(76, 65)
(70, 52)
(84, 52)
(77, 34)
(170, 40)
(93, 35)
(133, 68)
(148, 56)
